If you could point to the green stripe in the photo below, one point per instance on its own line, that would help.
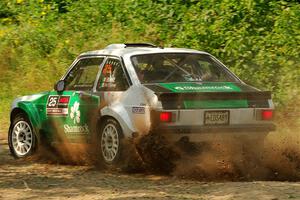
(216, 104)
(201, 87)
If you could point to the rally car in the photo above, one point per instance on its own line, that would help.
(128, 90)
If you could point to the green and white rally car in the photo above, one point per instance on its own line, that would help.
(128, 90)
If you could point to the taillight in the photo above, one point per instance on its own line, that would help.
(267, 114)
(165, 116)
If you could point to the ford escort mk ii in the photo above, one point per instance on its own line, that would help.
(128, 90)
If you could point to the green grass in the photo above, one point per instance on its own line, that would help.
(258, 40)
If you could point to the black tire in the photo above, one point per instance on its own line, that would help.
(110, 147)
(22, 143)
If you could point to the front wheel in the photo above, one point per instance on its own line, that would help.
(21, 137)
(109, 142)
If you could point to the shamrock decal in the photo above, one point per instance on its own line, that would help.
(75, 113)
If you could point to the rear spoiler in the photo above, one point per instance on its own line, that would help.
(255, 99)
(253, 95)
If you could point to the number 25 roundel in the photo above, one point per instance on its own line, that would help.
(58, 105)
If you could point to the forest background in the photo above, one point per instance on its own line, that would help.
(259, 40)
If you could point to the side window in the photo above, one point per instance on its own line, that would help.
(83, 74)
(112, 77)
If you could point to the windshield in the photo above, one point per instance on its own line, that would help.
(179, 67)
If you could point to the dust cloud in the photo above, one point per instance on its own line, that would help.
(277, 158)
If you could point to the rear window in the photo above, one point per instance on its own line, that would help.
(180, 67)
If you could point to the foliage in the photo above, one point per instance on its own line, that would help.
(258, 40)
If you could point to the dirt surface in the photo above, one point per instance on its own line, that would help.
(25, 179)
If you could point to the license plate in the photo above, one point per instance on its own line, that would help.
(216, 117)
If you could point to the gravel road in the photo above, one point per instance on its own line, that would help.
(28, 179)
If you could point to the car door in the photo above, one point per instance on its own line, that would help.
(72, 112)
(113, 82)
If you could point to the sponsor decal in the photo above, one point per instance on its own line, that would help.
(75, 113)
(75, 117)
(201, 87)
(58, 105)
(76, 129)
(138, 110)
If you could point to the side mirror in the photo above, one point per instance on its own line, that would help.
(60, 86)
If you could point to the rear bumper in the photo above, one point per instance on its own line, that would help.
(216, 133)
(243, 128)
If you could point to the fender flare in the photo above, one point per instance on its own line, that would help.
(32, 113)
(118, 112)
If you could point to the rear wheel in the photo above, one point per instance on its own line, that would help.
(21, 137)
(110, 142)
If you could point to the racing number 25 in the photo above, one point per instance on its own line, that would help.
(52, 101)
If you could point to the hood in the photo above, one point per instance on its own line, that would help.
(28, 98)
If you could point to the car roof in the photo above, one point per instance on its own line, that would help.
(121, 50)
